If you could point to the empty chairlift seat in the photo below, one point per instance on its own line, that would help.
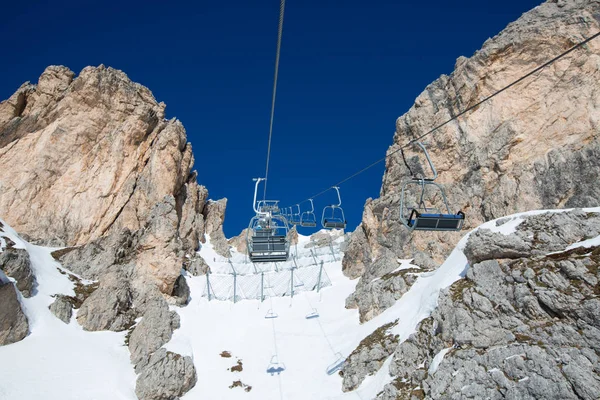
(266, 236)
(430, 210)
(333, 215)
(435, 222)
(308, 218)
(266, 246)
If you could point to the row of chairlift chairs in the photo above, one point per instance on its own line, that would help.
(267, 232)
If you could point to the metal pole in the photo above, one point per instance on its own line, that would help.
(292, 282)
(262, 286)
(319, 280)
(234, 286)
(208, 284)
(313, 255)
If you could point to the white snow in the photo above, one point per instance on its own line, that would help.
(57, 361)
(585, 243)
(437, 360)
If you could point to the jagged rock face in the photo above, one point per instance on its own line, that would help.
(523, 326)
(91, 163)
(13, 322)
(16, 264)
(86, 155)
(534, 146)
(239, 242)
(62, 308)
(214, 215)
(167, 376)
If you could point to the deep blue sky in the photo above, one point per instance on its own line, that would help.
(348, 70)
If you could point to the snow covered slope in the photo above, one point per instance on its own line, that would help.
(238, 353)
(57, 361)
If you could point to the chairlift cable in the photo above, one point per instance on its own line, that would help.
(279, 35)
(431, 131)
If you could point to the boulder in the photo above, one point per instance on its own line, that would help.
(167, 376)
(13, 322)
(16, 264)
(62, 308)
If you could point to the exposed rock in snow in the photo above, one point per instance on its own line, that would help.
(110, 306)
(534, 146)
(100, 159)
(214, 214)
(13, 322)
(368, 357)
(16, 264)
(532, 316)
(167, 376)
(153, 331)
(62, 308)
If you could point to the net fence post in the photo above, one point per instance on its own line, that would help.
(331, 247)
(319, 280)
(234, 286)
(314, 257)
(208, 284)
(262, 286)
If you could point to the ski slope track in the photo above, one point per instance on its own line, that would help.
(280, 358)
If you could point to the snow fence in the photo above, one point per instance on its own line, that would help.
(259, 286)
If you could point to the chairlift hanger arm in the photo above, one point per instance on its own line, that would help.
(257, 180)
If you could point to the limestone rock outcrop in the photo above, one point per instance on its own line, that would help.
(167, 376)
(520, 326)
(214, 217)
(90, 163)
(13, 322)
(534, 146)
(16, 264)
(62, 308)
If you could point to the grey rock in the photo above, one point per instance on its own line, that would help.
(484, 245)
(109, 307)
(494, 164)
(368, 357)
(16, 264)
(181, 291)
(154, 330)
(197, 266)
(13, 322)
(214, 216)
(167, 376)
(95, 258)
(521, 328)
(62, 308)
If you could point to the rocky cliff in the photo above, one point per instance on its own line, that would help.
(534, 146)
(523, 324)
(91, 164)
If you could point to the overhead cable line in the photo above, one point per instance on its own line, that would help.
(410, 142)
(279, 35)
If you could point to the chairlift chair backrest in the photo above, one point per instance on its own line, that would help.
(333, 215)
(308, 218)
(421, 216)
(266, 237)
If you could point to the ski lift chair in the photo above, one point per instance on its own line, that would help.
(333, 215)
(266, 236)
(308, 218)
(428, 218)
(295, 220)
